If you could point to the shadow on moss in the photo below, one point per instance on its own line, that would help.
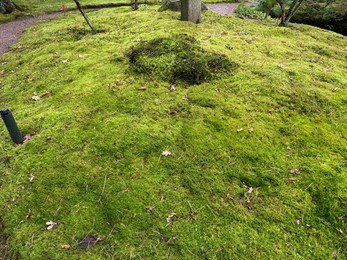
(179, 58)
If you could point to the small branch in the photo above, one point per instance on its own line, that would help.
(103, 188)
(85, 16)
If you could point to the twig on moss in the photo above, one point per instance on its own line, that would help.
(103, 188)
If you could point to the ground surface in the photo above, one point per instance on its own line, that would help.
(11, 31)
(249, 165)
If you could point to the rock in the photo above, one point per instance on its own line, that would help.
(175, 5)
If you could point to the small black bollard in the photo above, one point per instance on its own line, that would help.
(11, 126)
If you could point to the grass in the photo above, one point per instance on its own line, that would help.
(225, 192)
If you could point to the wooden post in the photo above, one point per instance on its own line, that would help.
(85, 16)
(191, 10)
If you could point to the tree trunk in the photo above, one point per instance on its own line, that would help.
(191, 10)
(283, 15)
(7, 6)
(135, 4)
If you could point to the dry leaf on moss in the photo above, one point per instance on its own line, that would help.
(169, 218)
(51, 225)
(166, 153)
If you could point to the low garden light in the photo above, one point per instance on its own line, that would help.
(11, 126)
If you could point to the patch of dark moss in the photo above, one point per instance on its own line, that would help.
(179, 58)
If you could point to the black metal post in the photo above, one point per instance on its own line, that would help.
(11, 126)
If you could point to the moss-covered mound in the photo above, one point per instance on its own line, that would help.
(178, 58)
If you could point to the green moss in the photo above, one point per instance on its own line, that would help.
(100, 138)
(178, 58)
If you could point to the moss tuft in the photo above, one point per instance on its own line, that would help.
(178, 58)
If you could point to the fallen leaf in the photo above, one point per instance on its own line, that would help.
(31, 178)
(27, 137)
(36, 98)
(45, 94)
(292, 179)
(2, 72)
(335, 90)
(339, 230)
(150, 209)
(239, 130)
(251, 130)
(88, 241)
(249, 204)
(65, 246)
(28, 215)
(166, 153)
(308, 225)
(224, 33)
(246, 53)
(142, 88)
(169, 218)
(297, 221)
(281, 66)
(80, 56)
(119, 82)
(250, 190)
(172, 87)
(64, 61)
(162, 198)
(51, 225)
(295, 171)
(289, 149)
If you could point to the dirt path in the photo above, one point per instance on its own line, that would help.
(11, 31)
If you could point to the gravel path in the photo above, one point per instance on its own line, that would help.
(11, 31)
(225, 8)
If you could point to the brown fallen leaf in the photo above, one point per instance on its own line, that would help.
(119, 82)
(150, 209)
(249, 204)
(295, 171)
(65, 246)
(169, 218)
(292, 179)
(28, 215)
(45, 94)
(2, 72)
(142, 88)
(251, 130)
(27, 137)
(89, 241)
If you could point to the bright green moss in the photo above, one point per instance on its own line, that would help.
(283, 108)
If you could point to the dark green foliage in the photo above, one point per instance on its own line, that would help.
(179, 58)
